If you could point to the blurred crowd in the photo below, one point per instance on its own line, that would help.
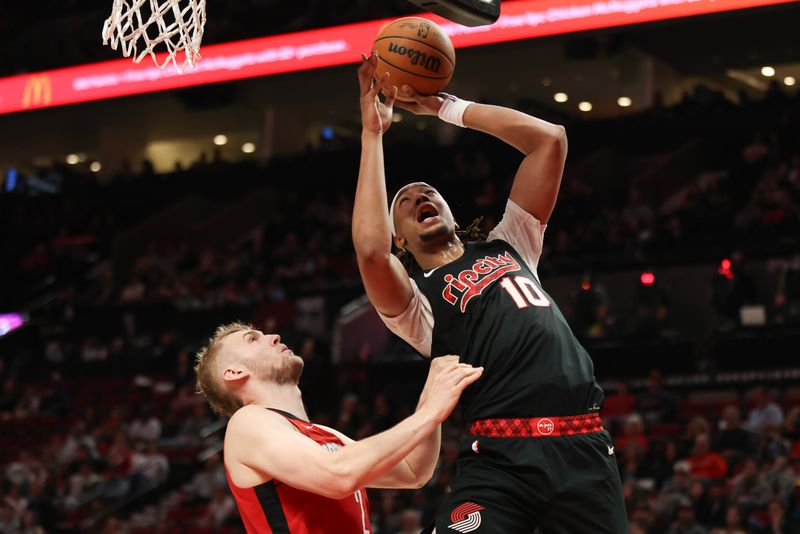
(738, 198)
(134, 455)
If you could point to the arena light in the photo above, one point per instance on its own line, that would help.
(248, 148)
(397, 117)
(624, 102)
(769, 72)
(337, 45)
(789, 81)
(647, 279)
(560, 97)
(221, 140)
(10, 321)
(95, 166)
(585, 106)
(725, 270)
(73, 159)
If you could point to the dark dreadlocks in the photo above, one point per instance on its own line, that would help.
(471, 234)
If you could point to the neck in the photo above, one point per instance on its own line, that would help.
(440, 254)
(287, 398)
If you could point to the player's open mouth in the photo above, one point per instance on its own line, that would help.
(426, 212)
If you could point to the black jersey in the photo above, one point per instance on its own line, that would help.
(489, 308)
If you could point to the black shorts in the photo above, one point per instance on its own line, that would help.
(552, 485)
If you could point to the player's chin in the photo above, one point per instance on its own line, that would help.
(436, 231)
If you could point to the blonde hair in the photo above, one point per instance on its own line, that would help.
(207, 365)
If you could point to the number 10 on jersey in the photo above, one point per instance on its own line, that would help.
(525, 292)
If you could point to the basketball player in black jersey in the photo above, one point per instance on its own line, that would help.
(536, 455)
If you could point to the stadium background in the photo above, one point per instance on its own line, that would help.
(130, 228)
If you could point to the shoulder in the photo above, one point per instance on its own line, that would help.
(250, 420)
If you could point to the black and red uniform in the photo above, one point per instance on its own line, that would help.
(277, 508)
(536, 455)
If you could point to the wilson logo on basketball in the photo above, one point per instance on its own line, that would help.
(466, 517)
(429, 63)
(470, 283)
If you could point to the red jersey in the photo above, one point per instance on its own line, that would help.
(277, 508)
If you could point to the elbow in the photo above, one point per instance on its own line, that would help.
(553, 140)
(341, 489)
(554, 143)
(338, 487)
(423, 479)
(341, 482)
(425, 476)
(558, 137)
(372, 256)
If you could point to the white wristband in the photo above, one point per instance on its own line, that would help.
(453, 109)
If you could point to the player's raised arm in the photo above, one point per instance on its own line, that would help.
(417, 468)
(544, 144)
(264, 442)
(384, 278)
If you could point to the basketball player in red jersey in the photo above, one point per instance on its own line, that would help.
(290, 476)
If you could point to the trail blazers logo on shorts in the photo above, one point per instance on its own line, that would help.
(466, 517)
(470, 283)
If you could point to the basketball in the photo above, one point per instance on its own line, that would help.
(416, 52)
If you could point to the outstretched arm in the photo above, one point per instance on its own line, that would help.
(417, 468)
(385, 280)
(264, 442)
(544, 144)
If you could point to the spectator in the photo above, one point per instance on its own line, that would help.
(633, 432)
(77, 438)
(704, 462)
(221, 507)
(145, 427)
(777, 521)
(83, 485)
(656, 405)
(9, 522)
(620, 403)
(685, 522)
(734, 522)
(787, 295)
(30, 525)
(733, 287)
(780, 478)
(764, 412)
(749, 489)
(410, 523)
(201, 487)
(791, 425)
(149, 467)
(26, 471)
(732, 440)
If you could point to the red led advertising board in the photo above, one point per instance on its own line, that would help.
(338, 45)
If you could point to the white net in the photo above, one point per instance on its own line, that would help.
(148, 27)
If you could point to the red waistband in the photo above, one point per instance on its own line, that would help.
(537, 427)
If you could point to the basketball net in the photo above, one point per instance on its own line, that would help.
(148, 27)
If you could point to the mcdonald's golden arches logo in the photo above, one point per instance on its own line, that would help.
(38, 91)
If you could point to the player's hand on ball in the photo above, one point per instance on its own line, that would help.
(421, 104)
(376, 116)
(447, 379)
